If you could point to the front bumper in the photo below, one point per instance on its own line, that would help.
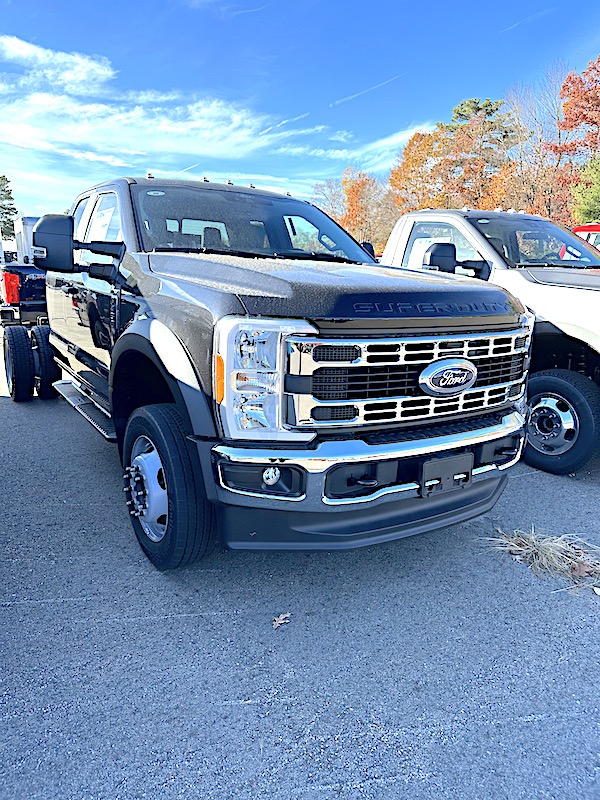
(316, 518)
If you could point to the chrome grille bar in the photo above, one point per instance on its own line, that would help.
(418, 350)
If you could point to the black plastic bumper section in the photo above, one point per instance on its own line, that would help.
(355, 526)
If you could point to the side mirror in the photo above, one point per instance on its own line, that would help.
(53, 243)
(482, 269)
(441, 255)
(369, 248)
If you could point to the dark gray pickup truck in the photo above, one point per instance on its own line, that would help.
(266, 382)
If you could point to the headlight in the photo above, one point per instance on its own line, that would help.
(249, 365)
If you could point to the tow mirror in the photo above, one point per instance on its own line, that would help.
(53, 244)
(441, 255)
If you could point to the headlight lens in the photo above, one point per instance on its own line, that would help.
(252, 353)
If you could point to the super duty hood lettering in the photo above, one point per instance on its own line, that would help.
(431, 309)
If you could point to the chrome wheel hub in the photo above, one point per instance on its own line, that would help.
(553, 425)
(146, 489)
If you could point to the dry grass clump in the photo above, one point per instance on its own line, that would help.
(565, 556)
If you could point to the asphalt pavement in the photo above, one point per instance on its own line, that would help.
(431, 667)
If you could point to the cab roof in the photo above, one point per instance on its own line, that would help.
(474, 213)
(204, 184)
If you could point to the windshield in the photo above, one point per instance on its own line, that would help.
(184, 218)
(525, 241)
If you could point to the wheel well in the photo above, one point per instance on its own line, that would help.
(136, 382)
(553, 349)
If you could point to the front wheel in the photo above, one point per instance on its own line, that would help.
(18, 362)
(563, 431)
(173, 521)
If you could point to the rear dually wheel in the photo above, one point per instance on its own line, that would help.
(46, 369)
(18, 363)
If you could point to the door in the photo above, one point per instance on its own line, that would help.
(424, 234)
(59, 284)
(91, 307)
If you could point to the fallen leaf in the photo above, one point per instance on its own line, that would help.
(581, 569)
(282, 619)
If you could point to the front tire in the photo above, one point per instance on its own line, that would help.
(563, 432)
(173, 521)
(18, 362)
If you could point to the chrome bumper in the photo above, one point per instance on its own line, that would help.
(334, 452)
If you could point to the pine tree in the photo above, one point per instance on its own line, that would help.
(587, 193)
(8, 212)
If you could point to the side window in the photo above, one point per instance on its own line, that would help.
(594, 240)
(104, 226)
(305, 236)
(424, 234)
(78, 216)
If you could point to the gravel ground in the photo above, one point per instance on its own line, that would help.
(430, 667)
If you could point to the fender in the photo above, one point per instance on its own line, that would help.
(153, 339)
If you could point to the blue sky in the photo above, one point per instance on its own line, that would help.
(281, 94)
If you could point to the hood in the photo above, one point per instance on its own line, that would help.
(567, 298)
(340, 292)
(572, 278)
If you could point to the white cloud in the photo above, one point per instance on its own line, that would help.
(108, 126)
(342, 136)
(374, 156)
(151, 96)
(73, 73)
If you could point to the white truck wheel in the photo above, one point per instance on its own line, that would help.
(563, 432)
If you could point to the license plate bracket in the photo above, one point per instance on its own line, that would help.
(450, 473)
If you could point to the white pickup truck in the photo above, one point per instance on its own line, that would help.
(555, 274)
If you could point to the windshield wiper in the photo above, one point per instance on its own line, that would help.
(209, 251)
(559, 265)
(317, 257)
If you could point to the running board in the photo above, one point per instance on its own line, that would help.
(87, 408)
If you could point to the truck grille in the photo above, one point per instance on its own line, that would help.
(379, 381)
(366, 383)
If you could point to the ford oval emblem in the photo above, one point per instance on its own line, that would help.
(448, 377)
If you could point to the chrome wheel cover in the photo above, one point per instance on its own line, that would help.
(146, 488)
(553, 426)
